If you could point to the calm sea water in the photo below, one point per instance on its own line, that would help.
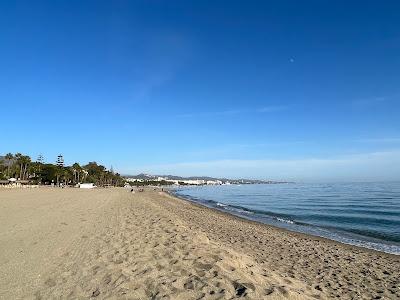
(363, 214)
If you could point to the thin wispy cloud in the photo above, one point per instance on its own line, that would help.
(268, 109)
(369, 101)
(237, 148)
(166, 53)
(363, 167)
(232, 112)
(212, 114)
(380, 140)
(375, 101)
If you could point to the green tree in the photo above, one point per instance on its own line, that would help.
(67, 175)
(21, 166)
(36, 168)
(9, 157)
(23, 162)
(60, 165)
(18, 158)
(76, 170)
(48, 173)
(26, 161)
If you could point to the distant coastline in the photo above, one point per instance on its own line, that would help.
(147, 179)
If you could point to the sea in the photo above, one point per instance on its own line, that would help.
(361, 214)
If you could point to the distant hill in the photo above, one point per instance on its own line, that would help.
(206, 178)
(3, 160)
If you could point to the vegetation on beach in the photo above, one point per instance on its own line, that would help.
(22, 167)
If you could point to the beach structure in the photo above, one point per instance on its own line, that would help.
(15, 183)
(86, 185)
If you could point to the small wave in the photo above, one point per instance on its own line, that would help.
(343, 235)
(285, 221)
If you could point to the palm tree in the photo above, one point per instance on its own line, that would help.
(18, 157)
(38, 167)
(85, 174)
(9, 157)
(27, 161)
(67, 176)
(76, 170)
(23, 162)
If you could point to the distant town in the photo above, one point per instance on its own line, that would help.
(147, 179)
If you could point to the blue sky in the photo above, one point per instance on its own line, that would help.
(299, 90)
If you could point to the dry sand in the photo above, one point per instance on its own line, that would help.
(111, 244)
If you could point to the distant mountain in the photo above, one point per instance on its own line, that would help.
(141, 176)
(206, 178)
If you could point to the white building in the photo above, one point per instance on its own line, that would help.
(86, 185)
(134, 180)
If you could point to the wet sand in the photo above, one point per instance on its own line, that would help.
(111, 244)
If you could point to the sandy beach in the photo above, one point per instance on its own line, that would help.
(112, 244)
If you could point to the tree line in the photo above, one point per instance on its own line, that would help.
(22, 167)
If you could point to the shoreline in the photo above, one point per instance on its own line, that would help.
(305, 235)
(330, 256)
